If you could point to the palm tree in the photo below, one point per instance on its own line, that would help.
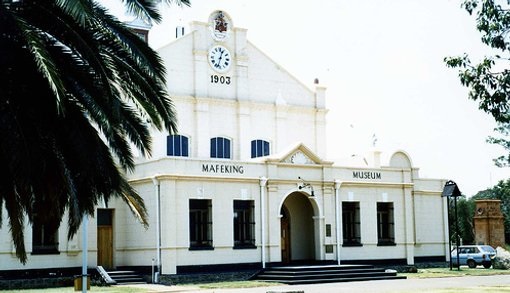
(77, 90)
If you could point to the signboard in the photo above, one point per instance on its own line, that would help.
(222, 169)
(366, 175)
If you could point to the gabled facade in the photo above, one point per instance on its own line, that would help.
(246, 180)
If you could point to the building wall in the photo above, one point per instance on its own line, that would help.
(69, 254)
(262, 101)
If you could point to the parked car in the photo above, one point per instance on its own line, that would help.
(474, 255)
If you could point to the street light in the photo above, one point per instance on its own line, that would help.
(452, 190)
(305, 185)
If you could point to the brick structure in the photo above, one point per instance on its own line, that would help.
(489, 223)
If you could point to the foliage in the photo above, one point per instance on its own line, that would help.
(465, 212)
(77, 90)
(489, 80)
(503, 131)
(502, 259)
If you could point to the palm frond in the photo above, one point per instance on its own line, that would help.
(16, 223)
(37, 46)
(177, 2)
(72, 55)
(135, 202)
(144, 9)
(80, 10)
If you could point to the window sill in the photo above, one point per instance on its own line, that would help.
(201, 248)
(245, 247)
(44, 252)
(352, 245)
(386, 244)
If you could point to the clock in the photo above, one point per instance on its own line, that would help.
(220, 58)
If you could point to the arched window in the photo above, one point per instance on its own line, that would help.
(259, 148)
(220, 148)
(177, 145)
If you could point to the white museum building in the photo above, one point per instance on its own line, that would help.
(246, 181)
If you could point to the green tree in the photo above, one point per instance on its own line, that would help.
(489, 80)
(465, 212)
(77, 90)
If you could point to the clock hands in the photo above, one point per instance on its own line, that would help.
(219, 58)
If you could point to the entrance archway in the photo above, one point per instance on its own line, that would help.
(285, 235)
(297, 229)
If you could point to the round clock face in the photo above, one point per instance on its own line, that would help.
(219, 58)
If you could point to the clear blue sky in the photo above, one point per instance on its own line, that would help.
(382, 62)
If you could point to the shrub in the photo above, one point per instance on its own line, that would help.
(502, 259)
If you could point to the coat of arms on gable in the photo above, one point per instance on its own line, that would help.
(220, 25)
(299, 158)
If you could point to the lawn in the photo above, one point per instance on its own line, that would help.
(422, 273)
(446, 272)
(482, 289)
(116, 289)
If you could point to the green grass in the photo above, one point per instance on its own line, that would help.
(237, 284)
(119, 289)
(479, 289)
(445, 272)
(482, 289)
(422, 273)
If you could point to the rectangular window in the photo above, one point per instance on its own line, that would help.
(328, 230)
(385, 224)
(200, 224)
(44, 237)
(244, 224)
(351, 224)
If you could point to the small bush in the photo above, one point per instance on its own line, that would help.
(502, 259)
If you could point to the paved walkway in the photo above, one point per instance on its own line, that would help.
(407, 285)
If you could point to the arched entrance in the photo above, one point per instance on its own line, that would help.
(297, 229)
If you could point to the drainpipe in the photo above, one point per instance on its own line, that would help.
(263, 182)
(155, 181)
(338, 183)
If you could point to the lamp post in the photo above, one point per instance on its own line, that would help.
(452, 190)
(156, 183)
(85, 223)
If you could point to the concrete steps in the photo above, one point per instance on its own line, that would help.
(325, 274)
(126, 277)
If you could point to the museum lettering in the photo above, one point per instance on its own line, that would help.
(366, 175)
(223, 169)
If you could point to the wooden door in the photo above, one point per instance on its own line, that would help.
(105, 246)
(105, 238)
(285, 238)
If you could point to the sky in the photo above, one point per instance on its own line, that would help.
(382, 64)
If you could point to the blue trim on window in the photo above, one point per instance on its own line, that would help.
(220, 148)
(259, 148)
(177, 146)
